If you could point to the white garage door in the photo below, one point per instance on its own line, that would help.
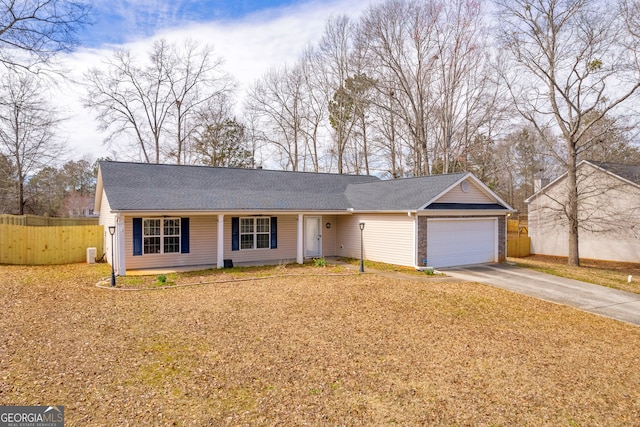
(461, 241)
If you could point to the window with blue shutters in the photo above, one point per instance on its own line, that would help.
(160, 236)
(248, 233)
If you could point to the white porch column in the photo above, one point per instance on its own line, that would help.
(120, 265)
(300, 254)
(220, 262)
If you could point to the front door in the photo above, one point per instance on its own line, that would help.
(312, 237)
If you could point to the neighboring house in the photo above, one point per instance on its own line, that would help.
(171, 215)
(609, 213)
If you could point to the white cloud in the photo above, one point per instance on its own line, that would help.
(249, 47)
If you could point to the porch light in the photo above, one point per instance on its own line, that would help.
(361, 247)
(112, 231)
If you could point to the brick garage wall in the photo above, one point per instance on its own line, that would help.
(502, 238)
(422, 239)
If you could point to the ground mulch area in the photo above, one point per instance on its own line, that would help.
(309, 350)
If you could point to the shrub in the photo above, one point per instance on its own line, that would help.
(320, 262)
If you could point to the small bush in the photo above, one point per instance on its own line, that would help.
(320, 262)
(163, 280)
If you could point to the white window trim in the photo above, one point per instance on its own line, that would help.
(162, 235)
(255, 232)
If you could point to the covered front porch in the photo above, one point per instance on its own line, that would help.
(244, 239)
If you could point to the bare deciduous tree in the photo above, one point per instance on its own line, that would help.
(401, 35)
(464, 95)
(278, 99)
(33, 31)
(316, 106)
(27, 128)
(612, 143)
(522, 158)
(131, 101)
(195, 81)
(390, 137)
(7, 185)
(156, 101)
(336, 65)
(408, 75)
(575, 61)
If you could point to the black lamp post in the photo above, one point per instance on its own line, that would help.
(361, 248)
(112, 231)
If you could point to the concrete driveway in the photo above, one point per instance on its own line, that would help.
(624, 306)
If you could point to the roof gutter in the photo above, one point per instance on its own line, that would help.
(394, 211)
(469, 212)
(252, 212)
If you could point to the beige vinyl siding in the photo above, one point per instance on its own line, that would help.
(202, 246)
(474, 195)
(287, 243)
(106, 219)
(609, 209)
(387, 238)
(329, 236)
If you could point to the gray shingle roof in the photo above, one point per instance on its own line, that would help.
(399, 194)
(154, 187)
(147, 187)
(628, 172)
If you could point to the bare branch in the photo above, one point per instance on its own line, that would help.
(33, 31)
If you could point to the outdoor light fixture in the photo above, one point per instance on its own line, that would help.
(361, 247)
(112, 231)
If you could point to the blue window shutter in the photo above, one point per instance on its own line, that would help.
(235, 233)
(274, 232)
(184, 235)
(137, 236)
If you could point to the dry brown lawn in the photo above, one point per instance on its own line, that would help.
(313, 349)
(604, 273)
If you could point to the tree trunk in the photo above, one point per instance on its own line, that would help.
(340, 153)
(365, 149)
(21, 197)
(392, 138)
(179, 117)
(572, 206)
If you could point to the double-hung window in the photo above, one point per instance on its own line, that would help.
(171, 236)
(161, 235)
(255, 233)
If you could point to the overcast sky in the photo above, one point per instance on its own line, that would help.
(250, 35)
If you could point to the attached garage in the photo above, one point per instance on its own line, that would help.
(461, 241)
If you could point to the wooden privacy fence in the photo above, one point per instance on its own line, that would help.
(518, 241)
(28, 245)
(44, 221)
